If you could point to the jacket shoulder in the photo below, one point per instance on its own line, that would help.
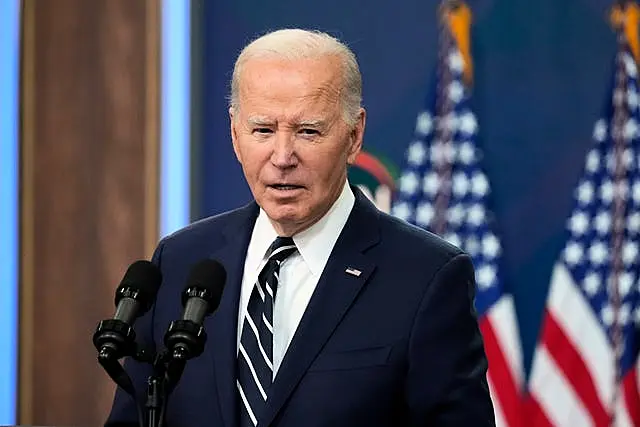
(209, 229)
(414, 243)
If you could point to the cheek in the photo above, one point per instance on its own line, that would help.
(253, 160)
(323, 180)
(330, 165)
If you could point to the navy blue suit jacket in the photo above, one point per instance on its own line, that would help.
(398, 345)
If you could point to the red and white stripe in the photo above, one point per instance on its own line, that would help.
(502, 345)
(573, 377)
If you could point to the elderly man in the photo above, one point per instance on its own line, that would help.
(334, 313)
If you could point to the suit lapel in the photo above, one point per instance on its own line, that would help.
(335, 292)
(223, 324)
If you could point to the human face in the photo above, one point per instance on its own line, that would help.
(291, 140)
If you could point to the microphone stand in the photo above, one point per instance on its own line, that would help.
(168, 369)
(184, 340)
(155, 400)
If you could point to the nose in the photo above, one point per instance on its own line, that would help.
(283, 155)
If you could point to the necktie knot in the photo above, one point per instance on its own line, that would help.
(281, 248)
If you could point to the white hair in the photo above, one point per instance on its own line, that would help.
(294, 44)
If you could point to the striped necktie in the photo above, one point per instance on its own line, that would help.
(255, 355)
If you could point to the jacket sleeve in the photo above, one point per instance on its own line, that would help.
(124, 412)
(447, 361)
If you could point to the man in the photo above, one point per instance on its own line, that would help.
(334, 313)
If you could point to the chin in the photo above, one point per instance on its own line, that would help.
(279, 213)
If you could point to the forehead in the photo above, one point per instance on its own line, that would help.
(292, 87)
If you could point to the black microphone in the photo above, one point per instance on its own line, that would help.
(185, 338)
(115, 338)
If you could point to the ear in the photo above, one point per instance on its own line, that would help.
(234, 133)
(357, 136)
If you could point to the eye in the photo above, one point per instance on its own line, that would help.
(262, 131)
(309, 132)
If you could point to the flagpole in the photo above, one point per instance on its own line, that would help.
(443, 133)
(619, 119)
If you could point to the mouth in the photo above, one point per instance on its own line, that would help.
(285, 187)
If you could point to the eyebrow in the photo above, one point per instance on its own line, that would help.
(260, 120)
(266, 121)
(311, 123)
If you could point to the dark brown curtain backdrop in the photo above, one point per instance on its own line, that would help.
(89, 190)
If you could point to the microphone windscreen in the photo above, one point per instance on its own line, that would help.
(210, 276)
(145, 278)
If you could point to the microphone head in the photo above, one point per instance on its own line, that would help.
(140, 282)
(206, 280)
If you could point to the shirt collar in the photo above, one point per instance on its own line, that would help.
(316, 242)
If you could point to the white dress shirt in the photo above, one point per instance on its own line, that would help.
(299, 273)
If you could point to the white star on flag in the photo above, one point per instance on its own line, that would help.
(424, 124)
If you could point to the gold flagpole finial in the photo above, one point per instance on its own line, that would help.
(625, 17)
(457, 17)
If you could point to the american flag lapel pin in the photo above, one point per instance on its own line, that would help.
(353, 271)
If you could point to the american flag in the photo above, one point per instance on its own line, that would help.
(585, 366)
(444, 190)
